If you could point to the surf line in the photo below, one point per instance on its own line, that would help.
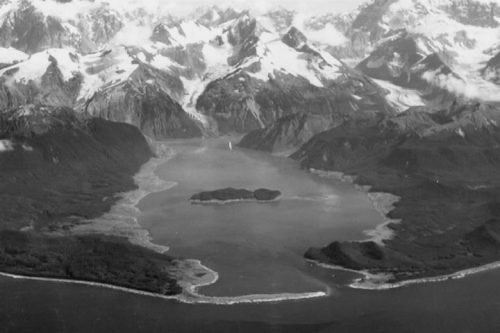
(189, 295)
(371, 281)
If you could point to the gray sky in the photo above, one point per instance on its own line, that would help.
(306, 7)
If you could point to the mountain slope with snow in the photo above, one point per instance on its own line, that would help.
(227, 70)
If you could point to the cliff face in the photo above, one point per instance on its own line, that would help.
(442, 165)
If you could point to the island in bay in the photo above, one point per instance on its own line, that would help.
(234, 195)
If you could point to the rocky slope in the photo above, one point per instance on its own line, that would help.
(352, 96)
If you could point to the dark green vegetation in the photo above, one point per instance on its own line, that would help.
(229, 194)
(62, 170)
(91, 258)
(443, 165)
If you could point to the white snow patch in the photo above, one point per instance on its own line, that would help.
(193, 89)
(6, 145)
(470, 88)
(36, 65)
(11, 55)
(27, 148)
(400, 98)
(105, 71)
(329, 35)
(277, 56)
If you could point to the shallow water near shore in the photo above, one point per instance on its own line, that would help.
(256, 249)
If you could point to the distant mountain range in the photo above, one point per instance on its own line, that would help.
(222, 70)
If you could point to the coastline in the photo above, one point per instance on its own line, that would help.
(190, 294)
(122, 219)
(191, 274)
(382, 202)
(371, 281)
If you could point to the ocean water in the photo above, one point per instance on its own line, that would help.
(257, 249)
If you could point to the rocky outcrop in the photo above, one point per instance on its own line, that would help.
(232, 194)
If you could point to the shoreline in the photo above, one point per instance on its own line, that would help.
(371, 281)
(122, 220)
(189, 296)
(232, 201)
(382, 202)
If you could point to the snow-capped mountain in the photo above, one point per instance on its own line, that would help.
(224, 70)
(458, 34)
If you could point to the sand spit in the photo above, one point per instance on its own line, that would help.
(372, 281)
(191, 282)
(382, 202)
